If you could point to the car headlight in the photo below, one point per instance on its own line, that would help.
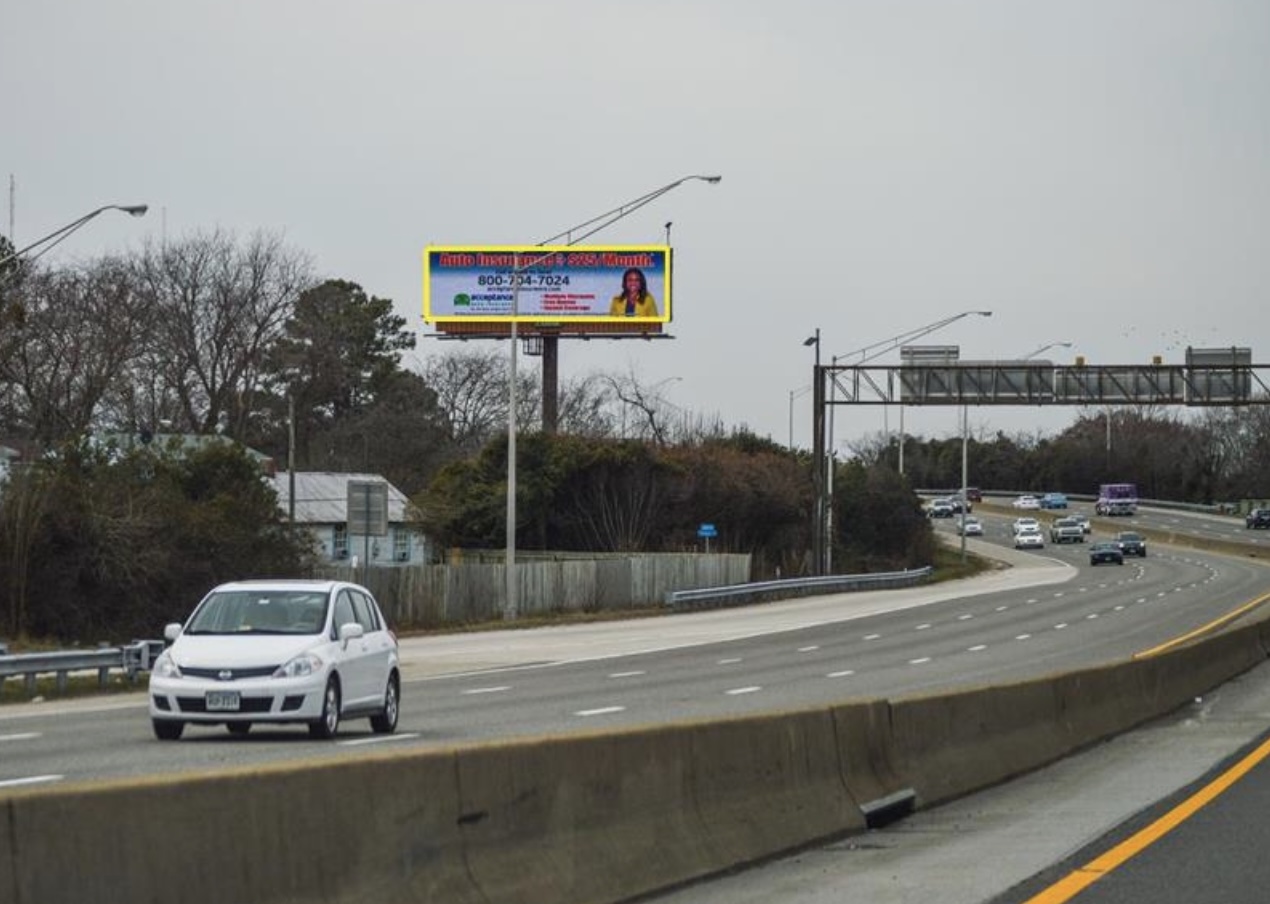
(165, 666)
(301, 666)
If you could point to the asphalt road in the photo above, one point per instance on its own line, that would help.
(1050, 611)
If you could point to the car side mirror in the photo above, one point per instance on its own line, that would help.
(172, 632)
(351, 631)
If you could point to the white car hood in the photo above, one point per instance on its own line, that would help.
(239, 651)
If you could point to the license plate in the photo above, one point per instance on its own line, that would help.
(222, 701)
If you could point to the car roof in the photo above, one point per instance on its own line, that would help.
(325, 586)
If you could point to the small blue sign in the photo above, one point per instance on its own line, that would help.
(707, 530)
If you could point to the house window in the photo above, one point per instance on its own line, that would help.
(339, 542)
(400, 545)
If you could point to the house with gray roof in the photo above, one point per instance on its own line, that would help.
(322, 507)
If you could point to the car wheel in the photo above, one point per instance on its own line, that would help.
(327, 724)
(385, 722)
(167, 729)
(238, 729)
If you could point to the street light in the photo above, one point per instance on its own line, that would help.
(795, 394)
(58, 236)
(589, 228)
(817, 459)
(877, 349)
(1045, 348)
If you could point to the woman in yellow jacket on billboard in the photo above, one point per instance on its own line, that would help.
(634, 300)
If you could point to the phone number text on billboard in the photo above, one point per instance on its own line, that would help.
(536, 283)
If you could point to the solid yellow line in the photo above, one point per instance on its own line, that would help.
(1203, 629)
(1075, 882)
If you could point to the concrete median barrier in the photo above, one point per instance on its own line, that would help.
(584, 819)
(865, 751)
(947, 745)
(605, 818)
(370, 830)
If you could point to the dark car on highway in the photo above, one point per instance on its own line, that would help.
(1102, 553)
(1258, 518)
(1131, 544)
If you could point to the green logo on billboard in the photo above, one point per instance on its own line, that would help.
(462, 300)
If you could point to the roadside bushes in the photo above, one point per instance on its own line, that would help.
(103, 543)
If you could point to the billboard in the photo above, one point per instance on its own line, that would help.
(547, 284)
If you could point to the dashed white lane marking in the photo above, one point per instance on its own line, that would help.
(600, 711)
(1003, 608)
(846, 673)
(1023, 637)
(31, 780)
(488, 690)
(743, 690)
(1060, 626)
(808, 649)
(25, 736)
(729, 661)
(627, 674)
(872, 636)
(922, 627)
(922, 661)
(380, 739)
(965, 617)
(1091, 616)
(977, 648)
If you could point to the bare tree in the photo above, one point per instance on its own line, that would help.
(587, 407)
(472, 389)
(220, 304)
(643, 410)
(81, 331)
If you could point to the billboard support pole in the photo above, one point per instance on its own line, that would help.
(510, 603)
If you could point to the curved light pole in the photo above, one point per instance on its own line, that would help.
(58, 236)
(1044, 348)
(795, 394)
(819, 525)
(604, 220)
(877, 349)
(869, 353)
(586, 229)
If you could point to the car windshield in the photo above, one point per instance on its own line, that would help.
(260, 612)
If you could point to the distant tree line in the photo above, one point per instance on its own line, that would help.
(1219, 455)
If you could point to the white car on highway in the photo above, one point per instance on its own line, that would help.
(307, 652)
(1029, 538)
(1026, 502)
(1028, 524)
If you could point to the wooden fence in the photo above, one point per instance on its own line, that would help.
(473, 588)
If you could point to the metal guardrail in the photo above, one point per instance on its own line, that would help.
(789, 588)
(130, 659)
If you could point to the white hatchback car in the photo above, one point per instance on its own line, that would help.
(308, 652)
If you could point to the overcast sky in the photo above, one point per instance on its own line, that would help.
(1091, 171)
